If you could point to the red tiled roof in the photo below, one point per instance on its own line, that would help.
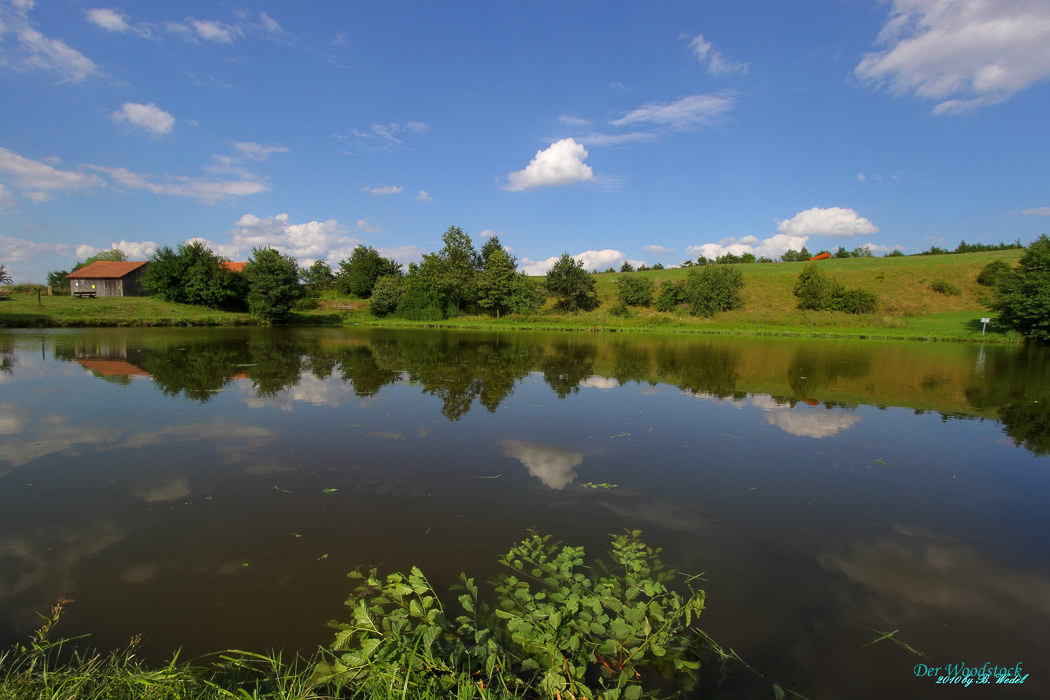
(104, 269)
(233, 266)
(109, 368)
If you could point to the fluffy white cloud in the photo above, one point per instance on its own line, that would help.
(772, 247)
(716, 62)
(14, 250)
(403, 254)
(214, 31)
(972, 52)
(108, 19)
(804, 420)
(687, 113)
(7, 200)
(316, 240)
(35, 175)
(553, 466)
(388, 189)
(270, 24)
(591, 259)
(258, 151)
(833, 222)
(369, 227)
(560, 164)
(1038, 211)
(424, 197)
(135, 250)
(149, 117)
(657, 249)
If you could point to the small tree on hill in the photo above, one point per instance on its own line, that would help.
(574, 288)
(626, 267)
(814, 288)
(634, 290)
(714, 288)
(273, 284)
(1023, 302)
(318, 277)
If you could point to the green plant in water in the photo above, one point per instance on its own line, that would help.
(559, 628)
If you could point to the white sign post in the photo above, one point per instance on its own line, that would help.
(985, 321)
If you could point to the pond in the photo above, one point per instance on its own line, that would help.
(211, 488)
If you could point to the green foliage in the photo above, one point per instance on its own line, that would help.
(840, 252)
(559, 627)
(635, 290)
(5, 278)
(945, 287)
(658, 266)
(626, 267)
(417, 303)
(861, 252)
(1023, 302)
(496, 281)
(793, 255)
(574, 288)
(895, 253)
(965, 247)
(620, 310)
(273, 284)
(358, 274)
(449, 277)
(492, 245)
(526, 296)
(672, 294)
(816, 291)
(714, 288)
(318, 277)
(994, 271)
(814, 288)
(386, 295)
(193, 274)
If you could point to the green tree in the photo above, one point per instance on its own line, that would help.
(450, 275)
(318, 277)
(714, 288)
(358, 274)
(5, 278)
(814, 288)
(634, 290)
(672, 293)
(574, 288)
(993, 272)
(526, 295)
(1023, 296)
(273, 284)
(626, 267)
(496, 282)
(163, 275)
(386, 295)
(492, 245)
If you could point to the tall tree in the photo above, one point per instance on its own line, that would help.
(273, 284)
(573, 286)
(496, 282)
(318, 277)
(358, 274)
(492, 245)
(1023, 302)
(450, 274)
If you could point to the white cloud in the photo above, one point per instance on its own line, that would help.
(572, 121)
(149, 117)
(270, 24)
(14, 250)
(214, 31)
(967, 53)
(833, 222)
(804, 420)
(716, 63)
(560, 164)
(388, 189)
(316, 240)
(772, 247)
(7, 200)
(553, 466)
(597, 381)
(595, 138)
(369, 227)
(230, 251)
(1038, 211)
(862, 177)
(204, 189)
(257, 151)
(424, 197)
(687, 113)
(657, 249)
(37, 51)
(403, 254)
(32, 174)
(591, 259)
(108, 19)
(136, 250)
(536, 267)
(383, 137)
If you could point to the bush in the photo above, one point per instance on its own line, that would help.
(386, 295)
(714, 288)
(814, 288)
(634, 290)
(1023, 303)
(620, 311)
(853, 301)
(993, 272)
(273, 284)
(671, 295)
(574, 288)
(945, 287)
(358, 274)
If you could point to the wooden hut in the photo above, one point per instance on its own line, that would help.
(108, 279)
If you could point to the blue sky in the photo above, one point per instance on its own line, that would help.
(651, 132)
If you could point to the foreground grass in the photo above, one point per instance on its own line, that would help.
(909, 309)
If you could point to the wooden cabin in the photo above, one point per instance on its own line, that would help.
(108, 279)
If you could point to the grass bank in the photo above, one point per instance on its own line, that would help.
(909, 308)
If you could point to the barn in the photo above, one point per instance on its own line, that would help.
(108, 279)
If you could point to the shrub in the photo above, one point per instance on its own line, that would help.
(853, 301)
(1023, 303)
(993, 272)
(620, 311)
(560, 628)
(273, 284)
(671, 295)
(814, 288)
(945, 287)
(574, 288)
(386, 295)
(714, 288)
(634, 290)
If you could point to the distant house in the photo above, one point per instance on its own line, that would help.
(108, 279)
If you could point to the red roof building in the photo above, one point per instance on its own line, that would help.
(108, 279)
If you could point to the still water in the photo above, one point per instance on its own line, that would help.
(210, 489)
